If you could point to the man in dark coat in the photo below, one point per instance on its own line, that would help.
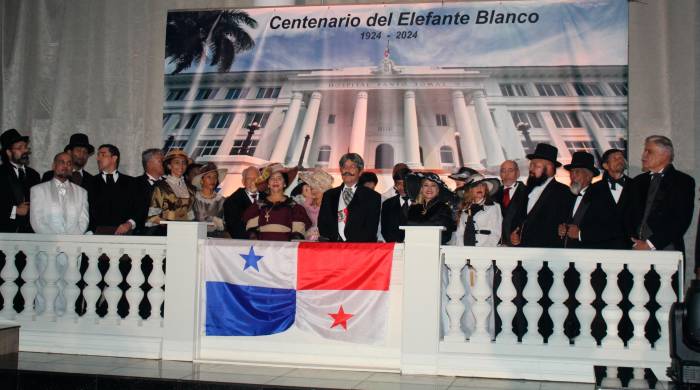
(112, 196)
(660, 200)
(350, 212)
(548, 203)
(512, 196)
(152, 162)
(16, 178)
(236, 204)
(395, 209)
(80, 151)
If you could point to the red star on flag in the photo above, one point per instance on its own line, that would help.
(340, 318)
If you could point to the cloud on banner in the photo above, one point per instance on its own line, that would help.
(337, 291)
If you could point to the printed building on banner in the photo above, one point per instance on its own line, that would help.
(391, 113)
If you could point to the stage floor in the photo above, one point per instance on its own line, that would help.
(56, 371)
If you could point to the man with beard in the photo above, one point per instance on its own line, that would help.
(547, 205)
(395, 209)
(80, 151)
(16, 178)
(236, 204)
(350, 212)
(512, 196)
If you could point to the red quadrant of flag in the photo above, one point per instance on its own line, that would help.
(344, 266)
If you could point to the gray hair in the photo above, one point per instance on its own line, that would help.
(55, 158)
(661, 141)
(354, 157)
(147, 155)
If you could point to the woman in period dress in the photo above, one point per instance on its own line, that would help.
(318, 182)
(432, 203)
(172, 197)
(208, 203)
(275, 216)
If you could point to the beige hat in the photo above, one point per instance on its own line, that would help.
(317, 179)
(209, 167)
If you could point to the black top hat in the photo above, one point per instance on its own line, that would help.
(10, 137)
(582, 160)
(545, 152)
(79, 139)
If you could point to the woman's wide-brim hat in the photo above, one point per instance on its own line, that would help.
(174, 153)
(317, 179)
(545, 152)
(79, 140)
(462, 173)
(208, 168)
(288, 173)
(492, 184)
(583, 159)
(414, 181)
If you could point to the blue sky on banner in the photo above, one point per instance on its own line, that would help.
(590, 32)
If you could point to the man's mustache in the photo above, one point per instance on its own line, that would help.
(347, 174)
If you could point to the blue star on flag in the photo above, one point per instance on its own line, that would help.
(251, 259)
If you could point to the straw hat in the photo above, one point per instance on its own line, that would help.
(209, 167)
(176, 153)
(317, 179)
(288, 173)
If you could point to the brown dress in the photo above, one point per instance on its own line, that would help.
(281, 221)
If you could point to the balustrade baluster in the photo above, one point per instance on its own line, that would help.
(135, 279)
(50, 292)
(639, 315)
(665, 297)
(112, 292)
(30, 274)
(91, 292)
(455, 291)
(611, 381)
(638, 381)
(9, 288)
(612, 312)
(482, 307)
(532, 309)
(585, 312)
(72, 277)
(155, 295)
(507, 309)
(558, 294)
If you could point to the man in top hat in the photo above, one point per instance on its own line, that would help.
(80, 151)
(548, 203)
(660, 200)
(512, 196)
(236, 204)
(16, 178)
(152, 163)
(350, 212)
(395, 209)
(112, 196)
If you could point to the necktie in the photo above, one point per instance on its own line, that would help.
(61, 190)
(110, 179)
(614, 182)
(20, 174)
(76, 177)
(654, 182)
(470, 228)
(347, 195)
(506, 197)
(405, 206)
(254, 197)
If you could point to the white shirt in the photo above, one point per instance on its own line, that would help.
(250, 196)
(535, 194)
(53, 213)
(115, 176)
(578, 200)
(342, 206)
(616, 193)
(151, 180)
(490, 218)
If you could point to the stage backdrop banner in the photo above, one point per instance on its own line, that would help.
(434, 85)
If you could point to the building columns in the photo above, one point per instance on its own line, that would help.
(510, 136)
(308, 127)
(467, 136)
(596, 132)
(492, 143)
(287, 129)
(359, 124)
(410, 126)
(554, 135)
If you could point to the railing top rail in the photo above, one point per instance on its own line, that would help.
(15, 238)
(565, 255)
(398, 247)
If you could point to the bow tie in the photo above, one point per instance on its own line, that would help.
(614, 182)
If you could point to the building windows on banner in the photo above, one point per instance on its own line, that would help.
(176, 94)
(527, 117)
(566, 119)
(583, 146)
(551, 89)
(221, 120)
(172, 143)
(588, 89)
(192, 121)
(268, 93)
(260, 117)
(331, 119)
(236, 93)
(619, 89)
(206, 93)
(513, 89)
(609, 119)
(324, 154)
(441, 119)
(446, 156)
(166, 118)
(237, 147)
(206, 148)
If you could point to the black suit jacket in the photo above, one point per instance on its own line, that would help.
(143, 190)
(12, 193)
(540, 227)
(363, 215)
(518, 201)
(85, 182)
(599, 219)
(112, 206)
(392, 218)
(234, 206)
(670, 213)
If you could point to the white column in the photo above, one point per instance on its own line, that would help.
(556, 138)
(467, 137)
(595, 131)
(359, 124)
(227, 143)
(410, 126)
(285, 135)
(510, 136)
(492, 143)
(308, 127)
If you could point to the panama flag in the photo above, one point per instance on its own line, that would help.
(336, 290)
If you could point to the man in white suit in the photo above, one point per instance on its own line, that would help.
(62, 209)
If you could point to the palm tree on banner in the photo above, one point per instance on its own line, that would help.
(190, 35)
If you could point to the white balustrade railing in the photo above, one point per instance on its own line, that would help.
(441, 310)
